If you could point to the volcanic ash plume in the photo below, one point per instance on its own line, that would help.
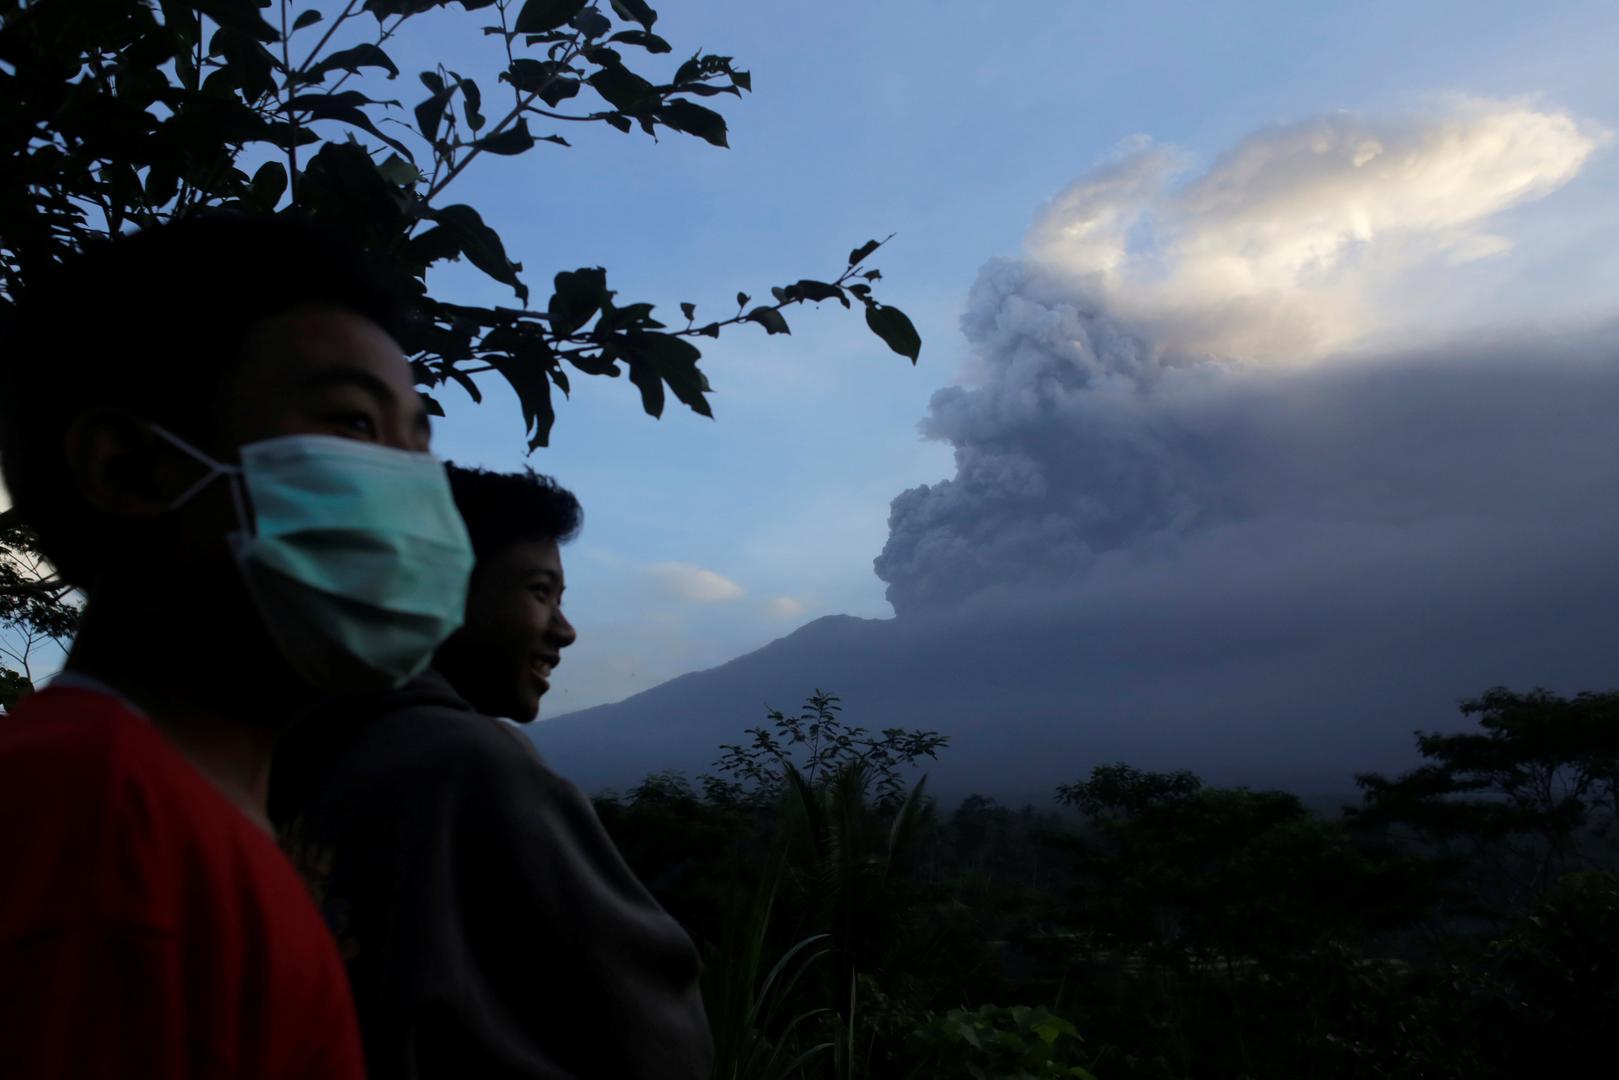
(1165, 388)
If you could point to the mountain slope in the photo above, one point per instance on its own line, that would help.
(1033, 702)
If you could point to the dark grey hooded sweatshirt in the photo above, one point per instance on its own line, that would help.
(490, 927)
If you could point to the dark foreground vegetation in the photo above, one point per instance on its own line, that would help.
(1461, 921)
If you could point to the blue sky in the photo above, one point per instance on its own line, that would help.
(955, 125)
(951, 128)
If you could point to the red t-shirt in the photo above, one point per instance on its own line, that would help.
(147, 927)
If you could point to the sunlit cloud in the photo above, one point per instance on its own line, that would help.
(684, 581)
(1295, 241)
(784, 607)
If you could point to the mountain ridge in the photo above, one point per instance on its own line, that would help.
(1029, 704)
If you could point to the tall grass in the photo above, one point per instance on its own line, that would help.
(751, 1040)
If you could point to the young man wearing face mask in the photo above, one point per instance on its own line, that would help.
(210, 428)
(490, 926)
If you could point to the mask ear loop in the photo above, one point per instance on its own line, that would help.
(216, 469)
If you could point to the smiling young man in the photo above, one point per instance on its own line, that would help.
(490, 926)
(502, 657)
(206, 424)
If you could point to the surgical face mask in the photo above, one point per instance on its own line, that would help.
(354, 554)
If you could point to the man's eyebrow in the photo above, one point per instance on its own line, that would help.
(351, 376)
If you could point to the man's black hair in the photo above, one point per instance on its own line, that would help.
(150, 323)
(501, 509)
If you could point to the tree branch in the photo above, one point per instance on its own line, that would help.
(331, 29)
(577, 119)
(286, 86)
(511, 62)
(523, 103)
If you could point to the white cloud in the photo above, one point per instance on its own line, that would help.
(784, 607)
(684, 581)
(1294, 242)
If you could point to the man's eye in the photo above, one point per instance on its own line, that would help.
(357, 422)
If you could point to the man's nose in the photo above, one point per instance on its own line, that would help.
(562, 631)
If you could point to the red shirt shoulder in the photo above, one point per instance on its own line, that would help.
(147, 926)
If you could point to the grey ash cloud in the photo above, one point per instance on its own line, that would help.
(1086, 458)
(1178, 366)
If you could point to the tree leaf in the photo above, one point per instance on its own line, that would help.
(396, 170)
(527, 378)
(471, 103)
(675, 360)
(235, 15)
(709, 90)
(644, 374)
(538, 16)
(344, 186)
(693, 119)
(161, 185)
(892, 325)
(465, 382)
(247, 63)
(624, 90)
(591, 23)
(579, 295)
(430, 112)
(816, 291)
(345, 107)
(689, 310)
(513, 140)
(859, 253)
(352, 60)
(269, 184)
(554, 82)
(636, 11)
(656, 359)
(481, 244)
(652, 43)
(307, 18)
(690, 71)
(770, 319)
(593, 364)
(528, 74)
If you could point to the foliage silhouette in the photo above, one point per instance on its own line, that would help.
(125, 113)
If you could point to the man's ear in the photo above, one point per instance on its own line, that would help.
(120, 467)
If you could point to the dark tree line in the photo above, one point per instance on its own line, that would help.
(1461, 921)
